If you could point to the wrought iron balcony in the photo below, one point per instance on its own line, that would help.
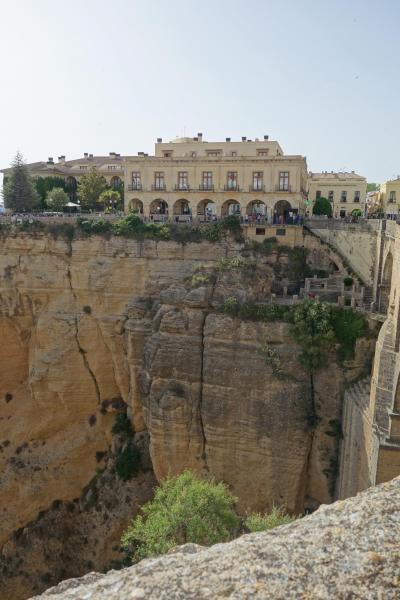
(258, 187)
(231, 187)
(283, 188)
(135, 187)
(206, 187)
(182, 187)
(158, 187)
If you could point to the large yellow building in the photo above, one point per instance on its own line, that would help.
(346, 191)
(390, 196)
(190, 177)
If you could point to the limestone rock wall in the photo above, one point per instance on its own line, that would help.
(95, 327)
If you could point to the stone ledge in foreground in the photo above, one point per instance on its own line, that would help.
(349, 549)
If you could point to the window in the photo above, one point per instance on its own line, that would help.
(284, 181)
(167, 153)
(262, 152)
(257, 180)
(233, 153)
(194, 154)
(343, 197)
(183, 180)
(232, 180)
(159, 183)
(330, 196)
(392, 196)
(113, 167)
(207, 180)
(260, 230)
(357, 197)
(318, 195)
(280, 232)
(213, 152)
(136, 181)
(83, 167)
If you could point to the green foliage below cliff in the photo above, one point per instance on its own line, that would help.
(184, 509)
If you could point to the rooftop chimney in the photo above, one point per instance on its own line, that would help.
(227, 139)
(140, 153)
(50, 160)
(85, 154)
(243, 138)
(200, 136)
(195, 139)
(266, 137)
(112, 154)
(90, 155)
(61, 158)
(159, 140)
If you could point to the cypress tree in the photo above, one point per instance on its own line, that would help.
(19, 191)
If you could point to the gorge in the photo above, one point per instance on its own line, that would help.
(97, 329)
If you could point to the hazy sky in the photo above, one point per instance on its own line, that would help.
(320, 76)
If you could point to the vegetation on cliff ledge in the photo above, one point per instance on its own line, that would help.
(187, 509)
(316, 326)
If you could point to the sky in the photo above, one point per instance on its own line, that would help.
(320, 76)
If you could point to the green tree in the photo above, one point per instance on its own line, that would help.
(372, 187)
(184, 509)
(19, 191)
(56, 199)
(262, 522)
(45, 184)
(90, 188)
(322, 206)
(312, 329)
(110, 200)
(356, 212)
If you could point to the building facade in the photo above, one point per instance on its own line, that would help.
(111, 167)
(345, 191)
(390, 196)
(190, 177)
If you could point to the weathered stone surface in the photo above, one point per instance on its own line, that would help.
(349, 549)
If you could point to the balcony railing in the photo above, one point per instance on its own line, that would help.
(158, 187)
(133, 187)
(258, 187)
(231, 187)
(206, 187)
(283, 188)
(182, 187)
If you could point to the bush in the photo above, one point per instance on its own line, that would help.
(348, 325)
(262, 522)
(322, 206)
(127, 463)
(122, 425)
(184, 509)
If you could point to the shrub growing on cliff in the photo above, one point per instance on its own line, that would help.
(184, 509)
(262, 522)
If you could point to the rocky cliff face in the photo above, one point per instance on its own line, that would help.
(347, 550)
(96, 327)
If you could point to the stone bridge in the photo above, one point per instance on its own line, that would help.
(370, 450)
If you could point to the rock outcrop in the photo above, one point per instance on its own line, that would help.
(94, 328)
(349, 549)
